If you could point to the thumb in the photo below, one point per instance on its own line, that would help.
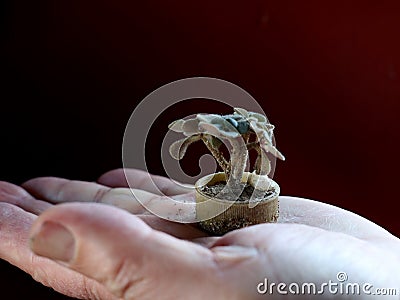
(121, 252)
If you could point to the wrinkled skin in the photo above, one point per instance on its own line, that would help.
(128, 253)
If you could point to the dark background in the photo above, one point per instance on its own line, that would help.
(326, 72)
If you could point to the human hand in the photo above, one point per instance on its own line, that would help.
(116, 254)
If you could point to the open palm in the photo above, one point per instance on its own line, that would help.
(103, 244)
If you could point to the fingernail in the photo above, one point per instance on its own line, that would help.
(53, 241)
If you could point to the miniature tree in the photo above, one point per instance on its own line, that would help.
(243, 130)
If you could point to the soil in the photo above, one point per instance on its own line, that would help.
(246, 194)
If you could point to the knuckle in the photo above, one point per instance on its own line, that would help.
(38, 272)
(101, 194)
(127, 282)
(90, 291)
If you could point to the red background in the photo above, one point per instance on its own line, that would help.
(326, 72)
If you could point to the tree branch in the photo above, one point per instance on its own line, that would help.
(217, 154)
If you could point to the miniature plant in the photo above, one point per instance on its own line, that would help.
(243, 130)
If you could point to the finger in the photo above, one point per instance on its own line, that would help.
(57, 190)
(328, 217)
(16, 195)
(178, 230)
(28, 203)
(134, 258)
(138, 179)
(15, 224)
(292, 210)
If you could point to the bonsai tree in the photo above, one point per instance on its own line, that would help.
(243, 130)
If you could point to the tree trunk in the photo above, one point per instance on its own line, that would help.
(238, 159)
